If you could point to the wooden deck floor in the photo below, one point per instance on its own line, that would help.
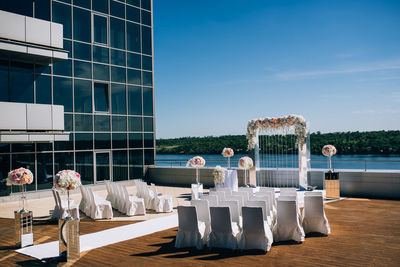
(364, 233)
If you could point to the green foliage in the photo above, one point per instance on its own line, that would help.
(374, 142)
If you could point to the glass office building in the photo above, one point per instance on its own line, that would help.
(105, 85)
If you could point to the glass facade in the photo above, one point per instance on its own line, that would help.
(105, 86)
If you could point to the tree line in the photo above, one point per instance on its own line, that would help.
(373, 142)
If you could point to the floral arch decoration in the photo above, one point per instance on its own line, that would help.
(296, 121)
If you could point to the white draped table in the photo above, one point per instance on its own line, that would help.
(231, 180)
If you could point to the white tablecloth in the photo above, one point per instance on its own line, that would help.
(231, 180)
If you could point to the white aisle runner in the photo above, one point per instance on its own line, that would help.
(106, 237)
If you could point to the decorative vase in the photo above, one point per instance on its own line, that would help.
(69, 243)
(197, 176)
(22, 199)
(23, 228)
(229, 163)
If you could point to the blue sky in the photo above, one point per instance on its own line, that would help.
(221, 63)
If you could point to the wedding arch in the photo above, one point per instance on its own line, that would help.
(278, 147)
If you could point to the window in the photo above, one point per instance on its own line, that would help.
(134, 77)
(101, 123)
(145, 4)
(83, 141)
(21, 87)
(82, 25)
(133, 60)
(117, 33)
(83, 3)
(134, 100)
(149, 157)
(101, 97)
(82, 69)
(120, 165)
(118, 74)
(117, 9)
(135, 124)
(83, 96)
(100, 54)
(118, 123)
(83, 122)
(4, 84)
(133, 37)
(84, 165)
(147, 63)
(101, 72)
(148, 140)
(148, 101)
(136, 157)
(102, 141)
(146, 41)
(119, 140)
(62, 93)
(148, 124)
(42, 9)
(147, 78)
(100, 6)
(146, 18)
(43, 89)
(117, 57)
(118, 98)
(133, 2)
(44, 176)
(82, 51)
(133, 14)
(100, 29)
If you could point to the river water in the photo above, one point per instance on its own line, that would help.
(368, 162)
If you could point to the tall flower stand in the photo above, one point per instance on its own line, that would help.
(332, 184)
(23, 228)
(69, 241)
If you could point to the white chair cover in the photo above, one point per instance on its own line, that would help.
(61, 207)
(256, 234)
(134, 205)
(245, 195)
(109, 193)
(197, 191)
(138, 191)
(288, 226)
(290, 191)
(84, 205)
(219, 194)
(270, 190)
(203, 214)
(234, 210)
(147, 195)
(99, 207)
(161, 203)
(190, 231)
(224, 233)
(314, 218)
(260, 203)
(266, 196)
(239, 199)
(212, 200)
(228, 191)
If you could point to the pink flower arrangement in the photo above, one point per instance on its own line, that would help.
(196, 161)
(19, 176)
(67, 180)
(328, 150)
(227, 152)
(245, 163)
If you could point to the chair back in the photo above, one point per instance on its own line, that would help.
(253, 220)
(264, 197)
(90, 195)
(220, 220)
(233, 209)
(238, 198)
(202, 209)
(58, 199)
(220, 195)
(249, 191)
(212, 200)
(244, 194)
(228, 191)
(187, 218)
(290, 191)
(313, 206)
(154, 189)
(313, 193)
(258, 204)
(55, 198)
(287, 212)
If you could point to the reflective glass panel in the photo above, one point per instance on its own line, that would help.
(100, 54)
(147, 101)
(68, 122)
(4, 169)
(83, 96)
(118, 74)
(44, 175)
(100, 6)
(117, 57)
(133, 37)
(147, 63)
(102, 141)
(147, 78)
(134, 77)
(84, 166)
(148, 140)
(135, 140)
(27, 161)
(43, 89)
(82, 25)
(133, 13)
(134, 100)
(148, 124)
(83, 122)
(82, 51)
(101, 72)
(117, 33)
(136, 157)
(133, 2)
(63, 161)
(83, 3)
(118, 98)
(82, 69)
(149, 156)
(64, 145)
(117, 9)
(62, 14)
(135, 124)
(146, 18)
(118, 123)
(146, 41)
(4, 85)
(83, 141)
(133, 60)
(21, 87)
(146, 4)
(102, 166)
(100, 29)
(119, 140)
(101, 123)
(120, 165)
(42, 9)
(62, 93)
(101, 100)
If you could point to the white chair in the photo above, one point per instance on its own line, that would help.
(61, 207)
(239, 199)
(212, 200)
(287, 225)
(314, 218)
(259, 203)
(224, 233)
(228, 191)
(138, 190)
(84, 205)
(161, 203)
(271, 191)
(147, 195)
(234, 210)
(245, 195)
(133, 204)
(203, 213)
(99, 207)
(190, 231)
(256, 234)
(266, 196)
(219, 194)
(289, 191)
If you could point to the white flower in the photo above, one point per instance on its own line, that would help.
(196, 161)
(219, 175)
(245, 163)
